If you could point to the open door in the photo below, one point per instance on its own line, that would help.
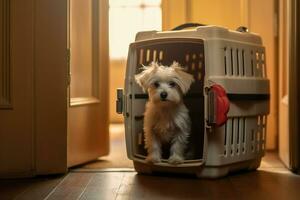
(289, 48)
(88, 93)
(284, 24)
(50, 121)
(16, 89)
(294, 83)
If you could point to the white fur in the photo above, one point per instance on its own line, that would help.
(165, 120)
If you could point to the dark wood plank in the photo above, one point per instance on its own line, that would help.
(33, 188)
(267, 184)
(10, 189)
(173, 187)
(271, 181)
(128, 185)
(40, 188)
(103, 186)
(72, 187)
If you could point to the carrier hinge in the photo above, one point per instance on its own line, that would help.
(119, 102)
(218, 105)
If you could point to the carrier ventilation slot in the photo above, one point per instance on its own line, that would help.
(231, 61)
(161, 55)
(225, 139)
(258, 136)
(260, 63)
(146, 56)
(243, 62)
(225, 61)
(261, 133)
(253, 140)
(235, 136)
(252, 64)
(194, 61)
(258, 66)
(263, 65)
(194, 64)
(264, 124)
(236, 64)
(234, 61)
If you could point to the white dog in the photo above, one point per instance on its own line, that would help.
(166, 119)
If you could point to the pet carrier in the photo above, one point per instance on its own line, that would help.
(220, 60)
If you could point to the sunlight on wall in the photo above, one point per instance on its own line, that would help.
(127, 17)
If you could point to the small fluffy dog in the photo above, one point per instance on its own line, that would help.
(166, 118)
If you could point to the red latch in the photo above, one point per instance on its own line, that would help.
(218, 105)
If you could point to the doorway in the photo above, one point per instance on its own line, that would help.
(136, 17)
(126, 18)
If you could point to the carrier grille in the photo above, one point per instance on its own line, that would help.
(244, 62)
(241, 136)
(193, 62)
(190, 54)
(235, 136)
(192, 59)
(149, 55)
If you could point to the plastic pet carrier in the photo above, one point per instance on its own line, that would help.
(218, 58)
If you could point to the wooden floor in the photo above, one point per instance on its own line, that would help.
(112, 177)
(117, 157)
(271, 181)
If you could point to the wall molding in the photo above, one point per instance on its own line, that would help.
(5, 55)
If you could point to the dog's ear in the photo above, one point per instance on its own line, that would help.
(143, 78)
(185, 79)
(176, 66)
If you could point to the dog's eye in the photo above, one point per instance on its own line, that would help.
(156, 84)
(172, 84)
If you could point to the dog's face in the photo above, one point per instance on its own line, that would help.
(164, 84)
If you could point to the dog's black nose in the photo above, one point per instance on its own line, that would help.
(163, 95)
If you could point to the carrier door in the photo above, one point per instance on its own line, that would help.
(190, 54)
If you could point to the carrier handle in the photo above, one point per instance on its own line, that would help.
(242, 29)
(187, 25)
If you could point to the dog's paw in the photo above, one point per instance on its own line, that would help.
(153, 159)
(175, 159)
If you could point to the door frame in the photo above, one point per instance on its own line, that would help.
(294, 83)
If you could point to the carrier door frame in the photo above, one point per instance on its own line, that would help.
(132, 94)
